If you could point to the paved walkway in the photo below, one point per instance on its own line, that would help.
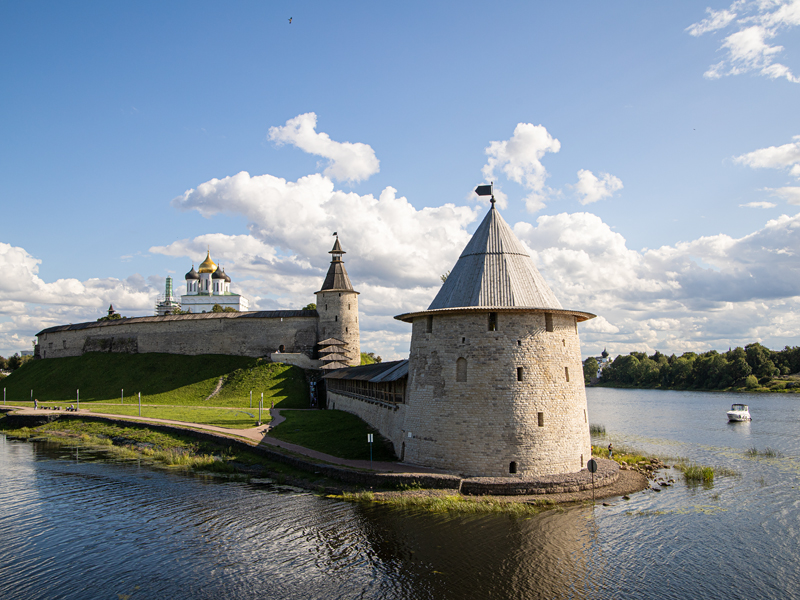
(259, 435)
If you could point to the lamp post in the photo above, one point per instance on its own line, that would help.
(78, 391)
(122, 396)
(140, 404)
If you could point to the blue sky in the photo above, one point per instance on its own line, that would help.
(631, 143)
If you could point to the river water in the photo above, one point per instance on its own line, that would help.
(75, 524)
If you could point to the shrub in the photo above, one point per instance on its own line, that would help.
(751, 382)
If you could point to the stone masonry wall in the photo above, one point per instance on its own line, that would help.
(481, 425)
(186, 334)
(338, 318)
(386, 419)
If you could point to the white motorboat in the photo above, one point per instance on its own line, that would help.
(739, 412)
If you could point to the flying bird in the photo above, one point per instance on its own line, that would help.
(290, 20)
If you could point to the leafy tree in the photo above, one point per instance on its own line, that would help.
(444, 276)
(218, 309)
(648, 373)
(680, 374)
(758, 357)
(590, 367)
(310, 306)
(178, 311)
(3, 363)
(112, 317)
(16, 361)
(751, 382)
(622, 370)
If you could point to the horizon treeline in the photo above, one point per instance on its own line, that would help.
(750, 366)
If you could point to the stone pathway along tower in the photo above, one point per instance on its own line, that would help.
(495, 373)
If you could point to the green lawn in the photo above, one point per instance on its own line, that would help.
(232, 418)
(220, 417)
(161, 378)
(333, 432)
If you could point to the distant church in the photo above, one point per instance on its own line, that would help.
(207, 286)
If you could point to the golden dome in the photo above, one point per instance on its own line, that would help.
(207, 266)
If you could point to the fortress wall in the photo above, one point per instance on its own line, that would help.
(177, 334)
(482, 424)
(387, 420)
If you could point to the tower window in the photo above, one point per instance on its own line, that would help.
(326, 307)
(564, 343)
(512, 466)
(548, 321)
(429, 324)
(519, 373)
(519, 342)
(492, 321)
(336, 318)
(566, 373)
(540, 419)
(348, 306)
(463, 340)
(581, 461)
(461, 369)
(346, 329)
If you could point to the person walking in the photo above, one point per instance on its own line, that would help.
(35, 404)
(611, 451)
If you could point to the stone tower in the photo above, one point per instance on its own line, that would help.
(495, 382)
(337, 306)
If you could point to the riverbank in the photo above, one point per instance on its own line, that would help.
(775, 386)
(213, 452)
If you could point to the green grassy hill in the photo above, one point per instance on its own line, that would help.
(161, 378)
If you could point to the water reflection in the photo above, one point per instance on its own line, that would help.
(495, 556)
(76, 524)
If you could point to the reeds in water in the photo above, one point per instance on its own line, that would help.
(598, 430)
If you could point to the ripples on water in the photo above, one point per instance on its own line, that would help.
(74, 524)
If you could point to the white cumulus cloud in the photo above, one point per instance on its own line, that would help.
(750, 48)
(590, 188)
(759, 205)
(786, 156)
(519, 158)
(790, 193)
(348, 161)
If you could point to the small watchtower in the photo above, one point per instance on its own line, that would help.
(495, 382)
(337, 306)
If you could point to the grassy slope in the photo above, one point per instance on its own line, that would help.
(333, 432)
(167, 379)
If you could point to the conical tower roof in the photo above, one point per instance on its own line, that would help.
(495, 272)
(337, 279)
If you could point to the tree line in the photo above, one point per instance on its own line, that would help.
(12, 363)
(752, 366)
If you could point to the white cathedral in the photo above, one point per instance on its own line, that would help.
(207, 286)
